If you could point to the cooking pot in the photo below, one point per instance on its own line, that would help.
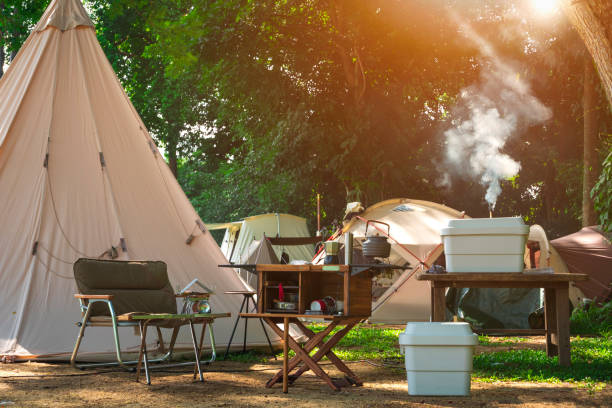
(376, 246)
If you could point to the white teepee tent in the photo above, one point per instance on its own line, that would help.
(80, 176)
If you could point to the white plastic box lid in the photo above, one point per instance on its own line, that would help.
(438, 333)
(478, 226)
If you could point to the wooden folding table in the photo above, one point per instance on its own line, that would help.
(302, 352)
(556, 299)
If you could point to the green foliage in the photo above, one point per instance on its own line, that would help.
(349, 99)
(366, 342)
(591, 361)
(261, 105)
(17, 18)
(173, 109)
(594, 319)
(602, 194)
(250, 356)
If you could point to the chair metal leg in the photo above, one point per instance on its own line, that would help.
(229, 343)
(196, 350)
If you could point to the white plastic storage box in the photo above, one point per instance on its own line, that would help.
(485, 244)
(438, 357)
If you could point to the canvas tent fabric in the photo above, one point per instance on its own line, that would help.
(80, 176)
(416, 225)
(239, 237)
(588, 251)
(259, 252)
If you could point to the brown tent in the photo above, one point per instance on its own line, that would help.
(588, 251)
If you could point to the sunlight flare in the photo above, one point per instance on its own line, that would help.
(545, 7)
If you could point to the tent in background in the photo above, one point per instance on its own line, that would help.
(80, 176)
(240, 235)
(415, 226)
(588, 251)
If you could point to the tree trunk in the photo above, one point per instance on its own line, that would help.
(590, 162)
(592, 30)
(172, 158)
(350, 57)
(1, 59)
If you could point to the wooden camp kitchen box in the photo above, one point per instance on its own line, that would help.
(314, 282)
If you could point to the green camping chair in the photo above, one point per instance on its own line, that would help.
(135, 294)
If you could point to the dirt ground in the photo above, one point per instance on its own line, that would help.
(232, 384)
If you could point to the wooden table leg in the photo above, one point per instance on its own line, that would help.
(325, 350)
(438, 312)
(303, 355)
(286, 355)
(312, 342)
(563, 325)
(550, 322)
(142, 355)
(333, 358)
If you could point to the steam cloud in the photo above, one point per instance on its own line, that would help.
(487, 115)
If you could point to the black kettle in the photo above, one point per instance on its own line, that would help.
(376, 246)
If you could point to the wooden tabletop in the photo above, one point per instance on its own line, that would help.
(502, 277)
(282, 315)
(168, 316)
(301, 268)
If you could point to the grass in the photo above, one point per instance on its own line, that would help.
(591, 362)
(591, 357)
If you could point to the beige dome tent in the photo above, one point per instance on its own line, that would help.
(415, 230)
(80, 176)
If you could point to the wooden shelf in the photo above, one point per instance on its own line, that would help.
(282, 311)
(312, 282)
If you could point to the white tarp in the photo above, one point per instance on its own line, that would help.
(80, 174)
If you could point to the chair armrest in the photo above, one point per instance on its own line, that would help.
(103, 297)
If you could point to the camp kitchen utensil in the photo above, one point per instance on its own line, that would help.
(331, 247)
(327, 304)
(284, 305)
(376, 246)
(331, 252)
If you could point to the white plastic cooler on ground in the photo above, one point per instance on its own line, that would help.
(485, 244)
(438, 357)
